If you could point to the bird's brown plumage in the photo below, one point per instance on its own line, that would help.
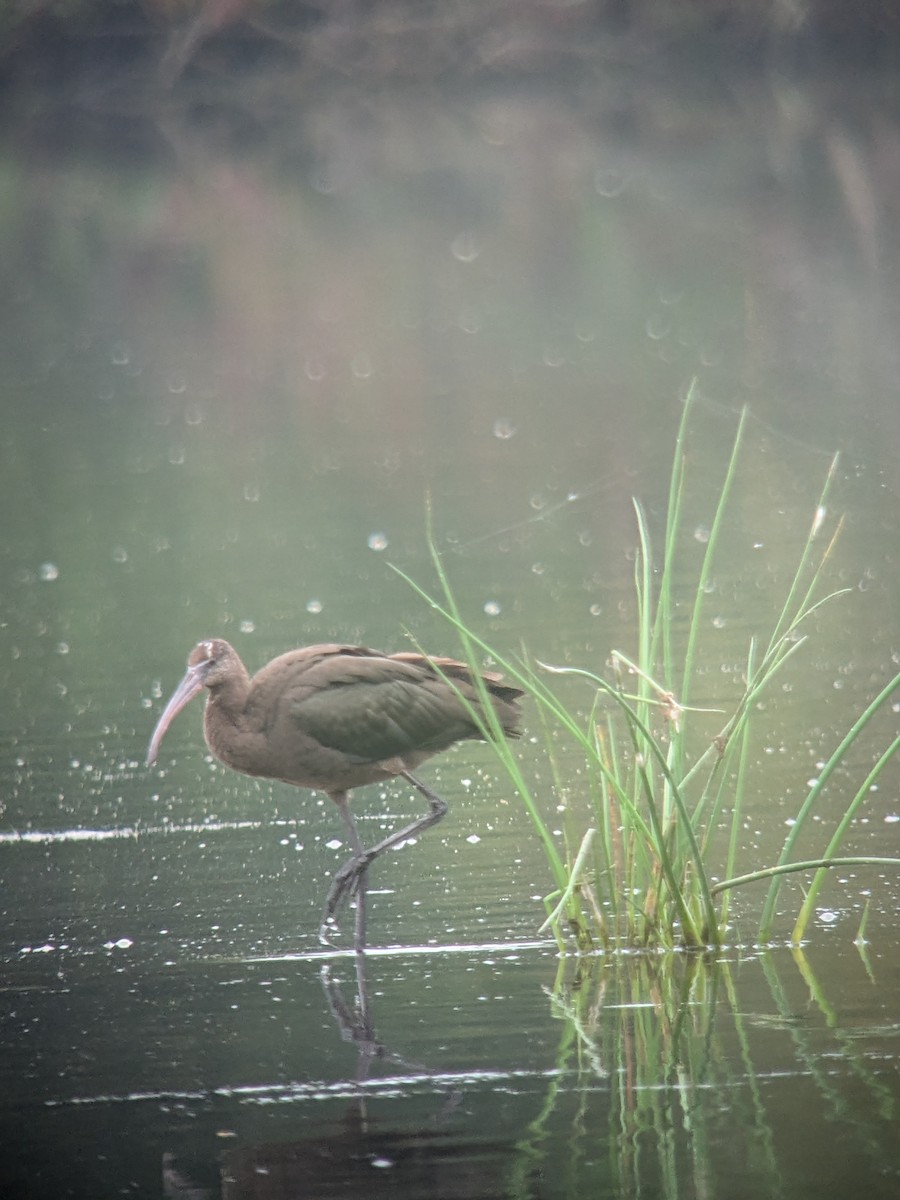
(336, 717)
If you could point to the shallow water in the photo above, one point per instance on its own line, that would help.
(237, 375)
(481, 1080)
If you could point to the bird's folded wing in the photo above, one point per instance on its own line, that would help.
(371, 721)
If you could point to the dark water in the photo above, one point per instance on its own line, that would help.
(746, 1076)
(237, 372)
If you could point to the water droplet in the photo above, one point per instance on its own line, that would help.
(658, 327)
(377, 541)
(314, 606)
(193, 414)
(176, 455)
(314, 370)
(464, 247)
(247, 626)
(48, 572)
(701, 534)
(62, 647)
(361, 366)
(473, 839)
(504, 429)
(595, 610)
(718, 622)
(119, 554)
(608, 181)
(251, 492)
(492, 608)
(121, 355)
(322, 180)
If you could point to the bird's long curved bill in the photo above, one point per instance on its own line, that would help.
(183, 694)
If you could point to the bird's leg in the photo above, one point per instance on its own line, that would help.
(351, 874)
(356, 880)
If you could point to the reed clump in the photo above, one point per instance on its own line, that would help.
(640, 873)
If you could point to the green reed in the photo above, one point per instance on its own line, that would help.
(639, 872)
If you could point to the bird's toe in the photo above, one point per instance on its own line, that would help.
(328, 930)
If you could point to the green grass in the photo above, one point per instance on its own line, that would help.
(639, 872)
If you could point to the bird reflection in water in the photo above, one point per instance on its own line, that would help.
(359, 1154)
(365, 1156)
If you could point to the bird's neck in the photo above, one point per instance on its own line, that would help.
(230, 730)
(228, 699)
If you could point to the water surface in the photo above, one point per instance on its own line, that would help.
(238, 370)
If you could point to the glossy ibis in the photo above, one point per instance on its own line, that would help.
(335, 718)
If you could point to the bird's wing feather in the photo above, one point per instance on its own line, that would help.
(373, 707)
(370, 706)
(371, 721)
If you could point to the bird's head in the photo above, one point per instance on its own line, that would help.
(211, 661)
(209, 664)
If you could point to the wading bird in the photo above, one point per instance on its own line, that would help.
(335, 718)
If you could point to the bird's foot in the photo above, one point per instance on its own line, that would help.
(346, 883)
(328, 930)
